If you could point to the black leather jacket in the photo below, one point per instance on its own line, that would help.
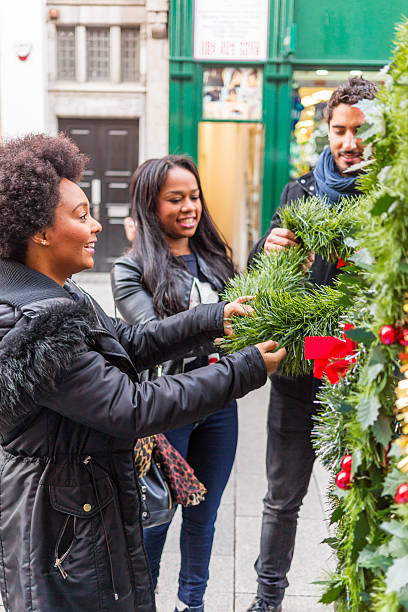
(135, 303)
(71, 408)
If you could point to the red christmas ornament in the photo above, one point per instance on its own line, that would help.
(343, 480)
(388, 334)
(401, 496)
(403, 338)
(346, 463)
(332, 356)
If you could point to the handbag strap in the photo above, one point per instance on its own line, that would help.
(143, 453)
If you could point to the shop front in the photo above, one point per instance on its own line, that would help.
(248, 86)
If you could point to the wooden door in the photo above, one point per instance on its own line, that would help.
(112, 146)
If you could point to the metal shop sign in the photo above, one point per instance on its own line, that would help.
(231, 30)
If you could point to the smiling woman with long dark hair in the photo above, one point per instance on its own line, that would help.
(178, 260)
(161, 266)
(71, 401)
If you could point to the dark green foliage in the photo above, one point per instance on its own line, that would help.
(371, 538)
(371, 535)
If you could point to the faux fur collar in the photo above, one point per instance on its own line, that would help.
(36, 352)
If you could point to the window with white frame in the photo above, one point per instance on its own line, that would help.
(102, 45)
(98, 54)
(130, 54)
(66, 53)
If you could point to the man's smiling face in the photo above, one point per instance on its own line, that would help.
(345, 146)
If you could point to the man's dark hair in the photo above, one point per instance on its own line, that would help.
(351, 92)
(31, 169)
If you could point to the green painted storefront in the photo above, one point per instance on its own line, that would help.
(304, 35)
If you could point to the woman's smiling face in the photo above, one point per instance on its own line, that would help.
(179, 207)
(70, 241)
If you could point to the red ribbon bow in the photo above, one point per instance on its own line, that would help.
(332, 356)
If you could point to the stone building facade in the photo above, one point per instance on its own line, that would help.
(108, 59)
(97, 70)
(108, 90)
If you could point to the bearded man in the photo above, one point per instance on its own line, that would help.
(290, 455)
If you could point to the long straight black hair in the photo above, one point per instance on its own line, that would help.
(161, 268)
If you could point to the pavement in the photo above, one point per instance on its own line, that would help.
(232, 582)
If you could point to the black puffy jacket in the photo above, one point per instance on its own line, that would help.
(71, 408)
(135, 303)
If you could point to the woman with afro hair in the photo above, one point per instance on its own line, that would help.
(71, 401)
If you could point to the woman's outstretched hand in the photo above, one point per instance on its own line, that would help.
(237, 307)
(271, 355)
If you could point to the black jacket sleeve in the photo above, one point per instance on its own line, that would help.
(275, 222)
(187, 333)
(135, 304)
(131, 297)
(100, 396)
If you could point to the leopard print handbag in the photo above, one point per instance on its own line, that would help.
(166, 480)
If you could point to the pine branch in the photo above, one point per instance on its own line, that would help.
(288, 318)
(329, 434)
(281, 270)
(288, 306)
(322, 227)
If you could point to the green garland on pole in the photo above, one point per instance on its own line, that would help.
(371, 533)
(358, 414)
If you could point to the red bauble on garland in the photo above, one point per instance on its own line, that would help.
(347, 462)
(403, 338)
(388, 334)
(401, 496)
(343, 480)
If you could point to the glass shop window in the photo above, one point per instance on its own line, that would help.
(232, 92)
(311, 92)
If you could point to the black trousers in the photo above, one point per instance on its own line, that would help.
(289, 463)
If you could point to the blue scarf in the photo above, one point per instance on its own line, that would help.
(329, 182)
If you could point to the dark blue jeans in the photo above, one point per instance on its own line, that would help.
(209, 447)
(289, 463)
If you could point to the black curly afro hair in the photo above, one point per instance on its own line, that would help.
(31, 169)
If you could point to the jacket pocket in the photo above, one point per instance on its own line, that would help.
(82, 501)
(59, 555)
(80, 504)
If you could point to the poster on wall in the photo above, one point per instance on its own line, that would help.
(232, 92)
(231, 30)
